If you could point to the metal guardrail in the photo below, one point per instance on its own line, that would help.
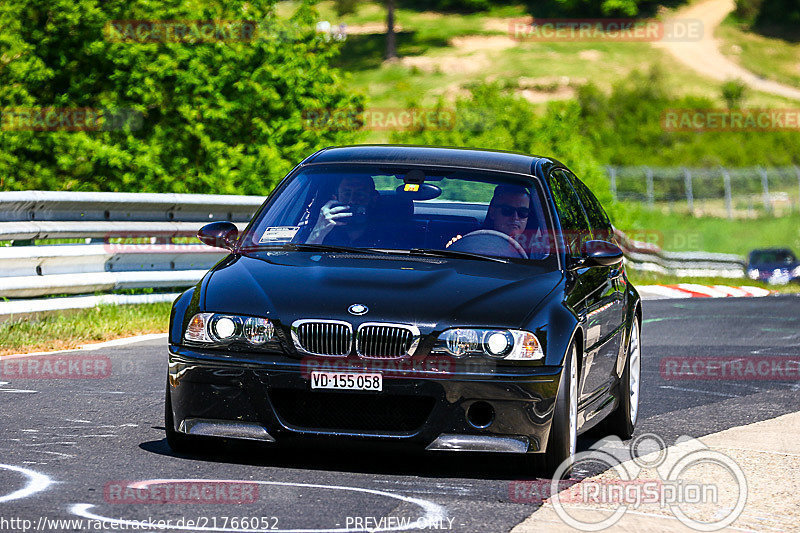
(101, 219)
(29, 272)
(648, 257)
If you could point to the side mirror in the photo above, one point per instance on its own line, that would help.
(601, 253)
(219, 234)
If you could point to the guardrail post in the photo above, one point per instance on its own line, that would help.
(726, 178)
(650, 194)
(687, 180)
(765, 187)
(612, 174)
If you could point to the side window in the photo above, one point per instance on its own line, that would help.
(598, 219)
(573, 220)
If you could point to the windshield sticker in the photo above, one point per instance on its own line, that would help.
(279, 234)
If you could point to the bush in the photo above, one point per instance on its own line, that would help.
(453, 6)
(733, 93)
(493, 119)
(217, 117)
(747, 10)
(781, 13)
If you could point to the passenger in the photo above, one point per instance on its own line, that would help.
(344, 219)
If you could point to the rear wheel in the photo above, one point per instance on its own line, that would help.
(623, 420)
(563, 437)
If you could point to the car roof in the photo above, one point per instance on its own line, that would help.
(434, 156)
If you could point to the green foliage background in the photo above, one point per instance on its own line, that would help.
(218, 117)
(770, 15)
(597, 129)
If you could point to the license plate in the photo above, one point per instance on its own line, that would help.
(346, 380)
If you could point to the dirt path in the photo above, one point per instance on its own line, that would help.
(705, 57)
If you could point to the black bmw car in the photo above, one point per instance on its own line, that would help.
(773, 265)
(449, 299)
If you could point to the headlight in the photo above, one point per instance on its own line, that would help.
(753, 273)
(218, 329)
(796, 272)
(506, 344)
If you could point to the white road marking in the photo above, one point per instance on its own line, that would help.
(715, 393)
(434, 513)
(15, 391)
(36, 483)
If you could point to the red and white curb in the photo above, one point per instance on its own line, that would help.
(692, 290)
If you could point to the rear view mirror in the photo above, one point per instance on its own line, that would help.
(601, 253)
(219, 234)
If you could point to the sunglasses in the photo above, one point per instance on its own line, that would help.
(508, 211)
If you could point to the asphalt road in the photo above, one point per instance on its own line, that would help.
(63, 442)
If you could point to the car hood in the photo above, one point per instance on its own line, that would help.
(431, 293)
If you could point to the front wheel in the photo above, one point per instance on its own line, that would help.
(623, 420)
(563, 439)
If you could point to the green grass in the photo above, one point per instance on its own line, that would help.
(67, 330)
(770, 57)
(738, 236)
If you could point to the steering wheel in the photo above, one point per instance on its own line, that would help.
(488, 241)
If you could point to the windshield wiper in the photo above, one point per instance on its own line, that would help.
(302, 247)
(456, 254)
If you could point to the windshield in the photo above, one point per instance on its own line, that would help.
(416, 210)
(772, 257)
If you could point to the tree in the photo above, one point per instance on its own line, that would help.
(391, 37)
(586, 8)
(218, 115)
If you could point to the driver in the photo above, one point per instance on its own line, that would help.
(343, 220)
(508, 213)
(509, 210)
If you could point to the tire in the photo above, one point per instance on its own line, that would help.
(622, 421)
(563, 437)
(179, 442)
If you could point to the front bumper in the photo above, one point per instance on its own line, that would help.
(268, 398)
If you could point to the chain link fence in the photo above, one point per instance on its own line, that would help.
(724, 192)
